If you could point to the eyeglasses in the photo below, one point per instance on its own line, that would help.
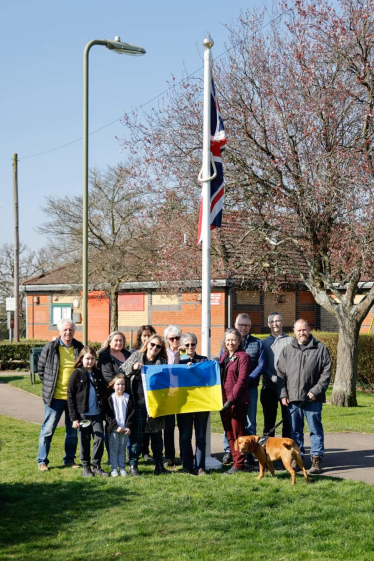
(173, 338)
(244, 324)
(190, 345)
(155, 345)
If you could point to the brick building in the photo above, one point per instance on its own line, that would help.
(49, 297)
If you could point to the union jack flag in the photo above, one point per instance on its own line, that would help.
(217, 145)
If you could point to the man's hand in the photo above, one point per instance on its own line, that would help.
(285, 401)
(311, 396)
(75, 424)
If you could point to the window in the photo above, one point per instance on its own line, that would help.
(61, 311)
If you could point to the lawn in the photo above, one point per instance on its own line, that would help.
(61, 516)
(335, 419)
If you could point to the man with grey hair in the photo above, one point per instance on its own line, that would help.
(273, 345)
(56, 365)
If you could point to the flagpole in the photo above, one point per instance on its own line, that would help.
(210, 463)
(205, 292)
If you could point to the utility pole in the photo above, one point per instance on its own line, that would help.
(16, 248)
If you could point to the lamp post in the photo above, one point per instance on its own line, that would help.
(121, 48)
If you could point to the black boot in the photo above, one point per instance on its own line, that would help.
(134, 471)
(159, 468)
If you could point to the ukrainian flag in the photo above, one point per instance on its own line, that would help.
(178, 388)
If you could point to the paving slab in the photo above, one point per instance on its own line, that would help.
(347, 455)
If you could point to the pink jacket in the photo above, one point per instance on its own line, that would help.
(235, 377)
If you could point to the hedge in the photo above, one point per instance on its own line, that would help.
(17, 355)
(365, 367)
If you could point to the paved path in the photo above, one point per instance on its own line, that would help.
(348, 455)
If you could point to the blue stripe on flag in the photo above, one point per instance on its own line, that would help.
(163, 376)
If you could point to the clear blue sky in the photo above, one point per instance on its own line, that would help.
(42, 44)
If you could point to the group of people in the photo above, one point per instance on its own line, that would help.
(103, 399)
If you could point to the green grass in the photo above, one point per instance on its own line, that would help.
(61, 516)
(335, 419)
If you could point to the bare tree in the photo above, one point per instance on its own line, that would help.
(118, 222)
(298, 101)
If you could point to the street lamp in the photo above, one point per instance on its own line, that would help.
(119, 47)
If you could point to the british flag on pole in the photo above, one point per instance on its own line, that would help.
(217, 145)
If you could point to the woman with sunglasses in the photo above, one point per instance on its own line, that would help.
(186, 421)
(152, 352)
(172, 335)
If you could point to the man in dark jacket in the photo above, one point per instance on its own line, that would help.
(56, 364)
(305, 368)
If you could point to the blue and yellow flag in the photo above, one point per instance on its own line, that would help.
(177, 388)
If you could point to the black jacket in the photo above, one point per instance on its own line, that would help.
(79, 390)
(110, 419)
(108, 365)
(48, 366)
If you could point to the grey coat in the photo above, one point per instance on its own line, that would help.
(303, 371)
(152, 425)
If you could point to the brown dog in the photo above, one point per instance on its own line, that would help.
(283, 449)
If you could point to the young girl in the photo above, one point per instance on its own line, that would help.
(86, 392)
(119, 417)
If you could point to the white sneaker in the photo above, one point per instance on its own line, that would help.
(123, 472)
(114, 473)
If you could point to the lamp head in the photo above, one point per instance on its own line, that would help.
(124, 48)
(208, 42)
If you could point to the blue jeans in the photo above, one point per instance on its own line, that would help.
(51, 419)
(250, 425)
(185, 423)
(312, 411)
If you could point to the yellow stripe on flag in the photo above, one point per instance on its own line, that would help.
(183, 400)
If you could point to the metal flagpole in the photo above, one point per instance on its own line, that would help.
(210, 463)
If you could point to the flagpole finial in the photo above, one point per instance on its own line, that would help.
(208, 42)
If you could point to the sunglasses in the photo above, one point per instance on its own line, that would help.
(190, 345)
(155, 345)
(173, 338)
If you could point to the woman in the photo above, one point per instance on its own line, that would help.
(235, 369)
(153, 352)
(142, 335)
(172, 335)
(186, 421)
(112, 355)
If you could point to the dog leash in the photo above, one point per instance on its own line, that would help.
(267, 434)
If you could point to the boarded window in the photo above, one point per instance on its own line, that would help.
(133, 302)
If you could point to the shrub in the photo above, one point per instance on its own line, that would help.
(20, 352)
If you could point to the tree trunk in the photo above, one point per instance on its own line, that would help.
(344, 389)
(114, 307)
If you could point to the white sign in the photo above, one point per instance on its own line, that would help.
(10, 304)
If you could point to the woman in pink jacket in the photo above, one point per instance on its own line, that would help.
(235, 369)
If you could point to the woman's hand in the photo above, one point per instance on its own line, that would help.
(75, 424)
(137, 366)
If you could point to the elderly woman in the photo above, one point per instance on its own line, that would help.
(186, 421)
(235, 369)
(112, 355)
(142, 335)
(152, 352)
(172, 335)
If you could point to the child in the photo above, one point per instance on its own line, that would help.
(119, 417)
(86, 392)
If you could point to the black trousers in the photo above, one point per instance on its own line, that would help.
(169, 437)
(96, 430)
(269, 401)
(137, 437)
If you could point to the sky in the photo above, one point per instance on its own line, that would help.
(41, 97)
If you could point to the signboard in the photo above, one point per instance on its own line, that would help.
(10, 304)
(215, 299)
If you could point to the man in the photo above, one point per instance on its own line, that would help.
(305, 369)
(253, 347)
(273, 345)
(56, 365)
